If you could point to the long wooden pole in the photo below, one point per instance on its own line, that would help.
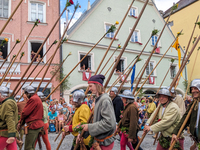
(37, 66)
(38, 52)
(183, 66)
(16, 56)
(126, 43)
(155, 67)
(8, 56)
(191, 75)
(55, 73)
(113, 40)
(10, 17)
(110, 68)
(155, 46)
(119, 89)
(184, 123)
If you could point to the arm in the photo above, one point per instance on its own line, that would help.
(106, 123)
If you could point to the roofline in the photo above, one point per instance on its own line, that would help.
(178, 9)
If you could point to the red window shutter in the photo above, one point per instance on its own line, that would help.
(86, 76)
(157, 50)
(151, 80)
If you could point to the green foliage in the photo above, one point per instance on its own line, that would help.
(91, 142)
(172, 60)
(140, 94)
(198, 23)
(79, 127)
(185, 83)
(59, 77)
(112, 29)
(174, 7)
(154, 32)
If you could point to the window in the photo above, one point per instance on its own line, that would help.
(4, 8)
(133, 12)
(120, 66)
(37, 11)
(4, 50)
(135, 36)
(149, 68)
(173, 70)
(111, 34)
(154, 40)
(34, 48)
(86, 63)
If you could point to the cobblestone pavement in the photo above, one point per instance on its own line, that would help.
(147, 144)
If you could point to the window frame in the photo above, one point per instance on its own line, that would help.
(29, 10)
(92, 59)
(136, 11)
(139, 36)
(8, 50)
(109, 24)
(159, 42)
(29, 49)
(122, 58)
(154, 72)
(9, 10)
(176, 69)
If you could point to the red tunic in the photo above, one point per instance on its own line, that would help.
(33, 112)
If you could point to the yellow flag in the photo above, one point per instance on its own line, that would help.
(177, 47)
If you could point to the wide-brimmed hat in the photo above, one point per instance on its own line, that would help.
(127, 94)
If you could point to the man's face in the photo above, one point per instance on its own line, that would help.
(163, 99)
(93, 88)
(123, 100)
(195, 92)
(112, 94)
(71, 100)
(53, 111)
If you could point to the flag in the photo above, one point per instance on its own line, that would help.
(177, 47)
(86, 76)
(133, 77)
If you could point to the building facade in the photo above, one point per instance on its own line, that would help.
(94, 23)
(47, 11)
(184, 18)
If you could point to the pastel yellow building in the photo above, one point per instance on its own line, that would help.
(184, 18)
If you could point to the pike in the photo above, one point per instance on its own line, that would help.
(143, 136)
(38, 52)
(59, 44)
(37, 66)
(8, 69)
(9, 54)
(156, 65)
(126, 43)
(10, 17)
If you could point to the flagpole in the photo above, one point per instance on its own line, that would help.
(38, 52)
(10, 17)
(126, 43)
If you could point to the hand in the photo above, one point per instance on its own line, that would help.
(134, 140)
(10, 140)
(146, 129)
(66, 128)
(18, 126)
(78, 139)
(174, 137)
(130, 140)
(85, 127)
(63, 135)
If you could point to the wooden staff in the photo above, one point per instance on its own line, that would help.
(35, 77)
(13, 72)
(55, 73)
(126, 43)
(191, 75)
(8, 55)
(115, 35)
(156, 66)
(75, 66)
(37, 66)
(17, 56)
(183, 66)
(59, 44)
(110, 67)
(10, 17)
(190, 40)
(184, 123)
(119, 89)
(38, 52)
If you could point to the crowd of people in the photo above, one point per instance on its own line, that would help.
(112, 114)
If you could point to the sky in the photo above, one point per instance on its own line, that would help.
(161, 5)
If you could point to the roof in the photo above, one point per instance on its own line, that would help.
(181, 4)
(83, 16)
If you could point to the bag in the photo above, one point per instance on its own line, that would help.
(52, 127)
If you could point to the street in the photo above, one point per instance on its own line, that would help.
(147, 144)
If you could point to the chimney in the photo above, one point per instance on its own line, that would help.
(161, 12)
(89, 6)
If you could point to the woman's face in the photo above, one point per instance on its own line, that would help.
(93, 88)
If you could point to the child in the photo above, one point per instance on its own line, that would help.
(61, 119)
(51, 106)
